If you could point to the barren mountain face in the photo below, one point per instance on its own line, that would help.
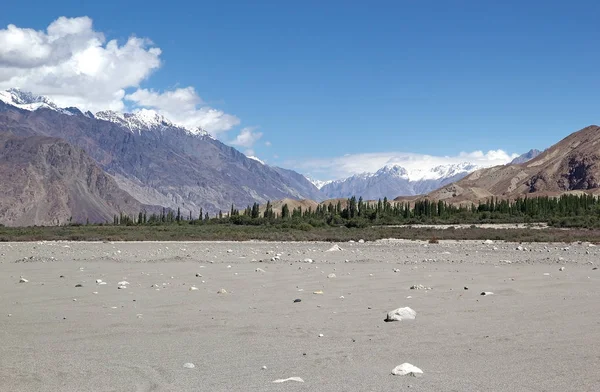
(46, 181)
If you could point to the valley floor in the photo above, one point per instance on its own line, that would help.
(539, 331)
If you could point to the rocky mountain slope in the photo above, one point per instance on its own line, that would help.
(154, 160)
(393, 180)
(573, 164)
(47, 181)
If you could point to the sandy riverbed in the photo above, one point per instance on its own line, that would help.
(537, 332)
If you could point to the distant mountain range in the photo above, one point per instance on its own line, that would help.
(529, 155)
(151, 159)
(394, 180)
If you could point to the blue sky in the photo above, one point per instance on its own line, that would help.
(332, 84)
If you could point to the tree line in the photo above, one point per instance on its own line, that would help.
(566, 211)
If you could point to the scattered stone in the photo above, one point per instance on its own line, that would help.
(484, 293)
(229, 251)
(334, 248)
(401, 314)
(189, 365)
(23, 280)
(297, 379)
(297, 300)
(260, 270)
(396, 270)
(121, 287)
(321, 335)
(308, 260)
(198, 275)
(546, 274)
(331, 276)
(419, 287)
(193, 288)
(466, 287)
(361, 241)
(222, 291)
(318, 292)
(78, 285)
(561, 269)
(520, 248)
(123, 283)
(98, 281)
(488, 242)
(406, 369)
(264, 368)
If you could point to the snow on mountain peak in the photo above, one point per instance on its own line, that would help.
(318, 183)
(256, 159)
(26, 101)
(393, 170)
(138, 121)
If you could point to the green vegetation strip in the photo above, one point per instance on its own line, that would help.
(231, 232)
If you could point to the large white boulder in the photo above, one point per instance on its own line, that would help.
(406, 369)
(401, 314)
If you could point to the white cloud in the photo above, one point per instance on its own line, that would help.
(183, 106)
(74, 65)
(350, 164)
(247, 137)
(268, 143)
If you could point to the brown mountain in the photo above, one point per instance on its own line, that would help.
(571, 165)
(47, 181)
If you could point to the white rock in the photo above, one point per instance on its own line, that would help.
(102, 283)
(198, 275)
(98, 281)
(321, 335)
(401, 314)
(297, 379)
(222, 291)
(123, 283)
(519, 247)
(488, 242)
(189, 365)
(484, 293)
(419, 287)
(23, 280)
(193, 288)
(396, 270)
(561, 269)
(334, 248)
(264, 368)
(260, 270)
(361, 241)
(122, 287)
(308, 260)
(331, 276)
(406, 369)
(229, 251)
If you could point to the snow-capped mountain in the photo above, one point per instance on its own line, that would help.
(138, 121)
(394, 180)
(26, 101)
(318, 183)
(144, 119)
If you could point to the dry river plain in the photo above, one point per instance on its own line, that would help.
(231, 310)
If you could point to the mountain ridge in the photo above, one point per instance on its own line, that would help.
(157, 161)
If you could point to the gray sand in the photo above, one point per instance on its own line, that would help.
(536, 333)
